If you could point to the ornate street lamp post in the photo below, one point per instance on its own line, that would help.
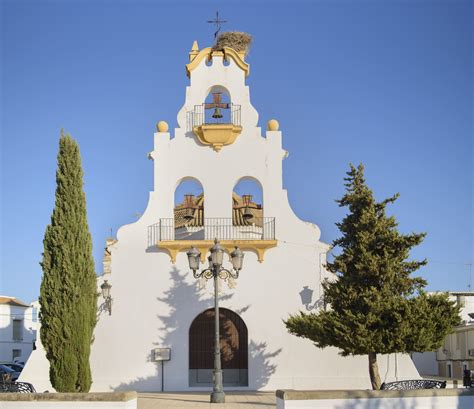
(216, 271)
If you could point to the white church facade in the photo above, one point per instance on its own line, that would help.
(156, 301)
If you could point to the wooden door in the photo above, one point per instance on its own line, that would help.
(233, 344)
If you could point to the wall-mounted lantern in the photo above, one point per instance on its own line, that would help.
(105, 287)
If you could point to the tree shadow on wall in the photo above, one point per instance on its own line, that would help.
(182, 298)
(392, 402)
(372, 404)
(144, 383)
(262, 363)
(185, 301)
(184, 295)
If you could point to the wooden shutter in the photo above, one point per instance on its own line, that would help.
(17, 330)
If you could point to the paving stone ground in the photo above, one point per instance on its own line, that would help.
(234, 400)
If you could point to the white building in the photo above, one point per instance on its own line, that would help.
(156, 301)
(457, 352)
(17, 329)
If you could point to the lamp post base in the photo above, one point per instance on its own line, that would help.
(217, 397)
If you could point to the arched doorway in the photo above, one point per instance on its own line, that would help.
(233, 343)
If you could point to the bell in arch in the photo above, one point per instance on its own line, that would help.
(189, 205)
(188, 215)
(217, 105)
(247, 213)
(247, 199)
(217, 113)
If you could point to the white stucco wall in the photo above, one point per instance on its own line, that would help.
(466, 301)
(36, 370)
(132, 404)
(9, 313)
(155, 302)
(425, 362)
(124, 400)
(435, 402)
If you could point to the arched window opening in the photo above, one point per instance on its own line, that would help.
(218, 106)
(233, 345)
(217, 120)
(189, 210)
(247, 209)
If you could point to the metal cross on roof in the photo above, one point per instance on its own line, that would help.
(218, 24)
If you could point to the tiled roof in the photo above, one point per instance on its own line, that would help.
(181, 210)
(5, 300)
(197, 212)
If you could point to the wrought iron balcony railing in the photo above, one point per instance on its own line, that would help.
(258, 228)
(201, 115)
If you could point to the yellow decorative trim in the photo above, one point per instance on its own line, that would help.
(217, 135)
(196, 58)
(173, 247)
(194, 51)
(238, 58)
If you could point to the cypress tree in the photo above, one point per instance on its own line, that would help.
(68, 294)
(375, 305)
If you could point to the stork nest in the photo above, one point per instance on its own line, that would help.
(237, 40)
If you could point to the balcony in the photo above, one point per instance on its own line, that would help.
(257, 235)
(218, 130)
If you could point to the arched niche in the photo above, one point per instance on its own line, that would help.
(188, 222)
(247, 202)
(233, 347)
(218, 108)
(217, 120)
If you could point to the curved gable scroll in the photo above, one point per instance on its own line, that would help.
(227, 53)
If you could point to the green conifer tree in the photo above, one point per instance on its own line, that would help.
(374, 305)
(68, 294)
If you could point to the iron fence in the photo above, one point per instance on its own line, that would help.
(202, 116)
(221, 228)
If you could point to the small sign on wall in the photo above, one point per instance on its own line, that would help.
(162, 354)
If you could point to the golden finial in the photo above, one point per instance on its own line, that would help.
(162, 126)
(194, 51)
(273, 125)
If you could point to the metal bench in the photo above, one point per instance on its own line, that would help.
(413, 384)
(16, 387)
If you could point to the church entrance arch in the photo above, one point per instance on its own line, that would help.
(233, 344)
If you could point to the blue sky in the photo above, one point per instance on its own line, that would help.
(386, 83)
